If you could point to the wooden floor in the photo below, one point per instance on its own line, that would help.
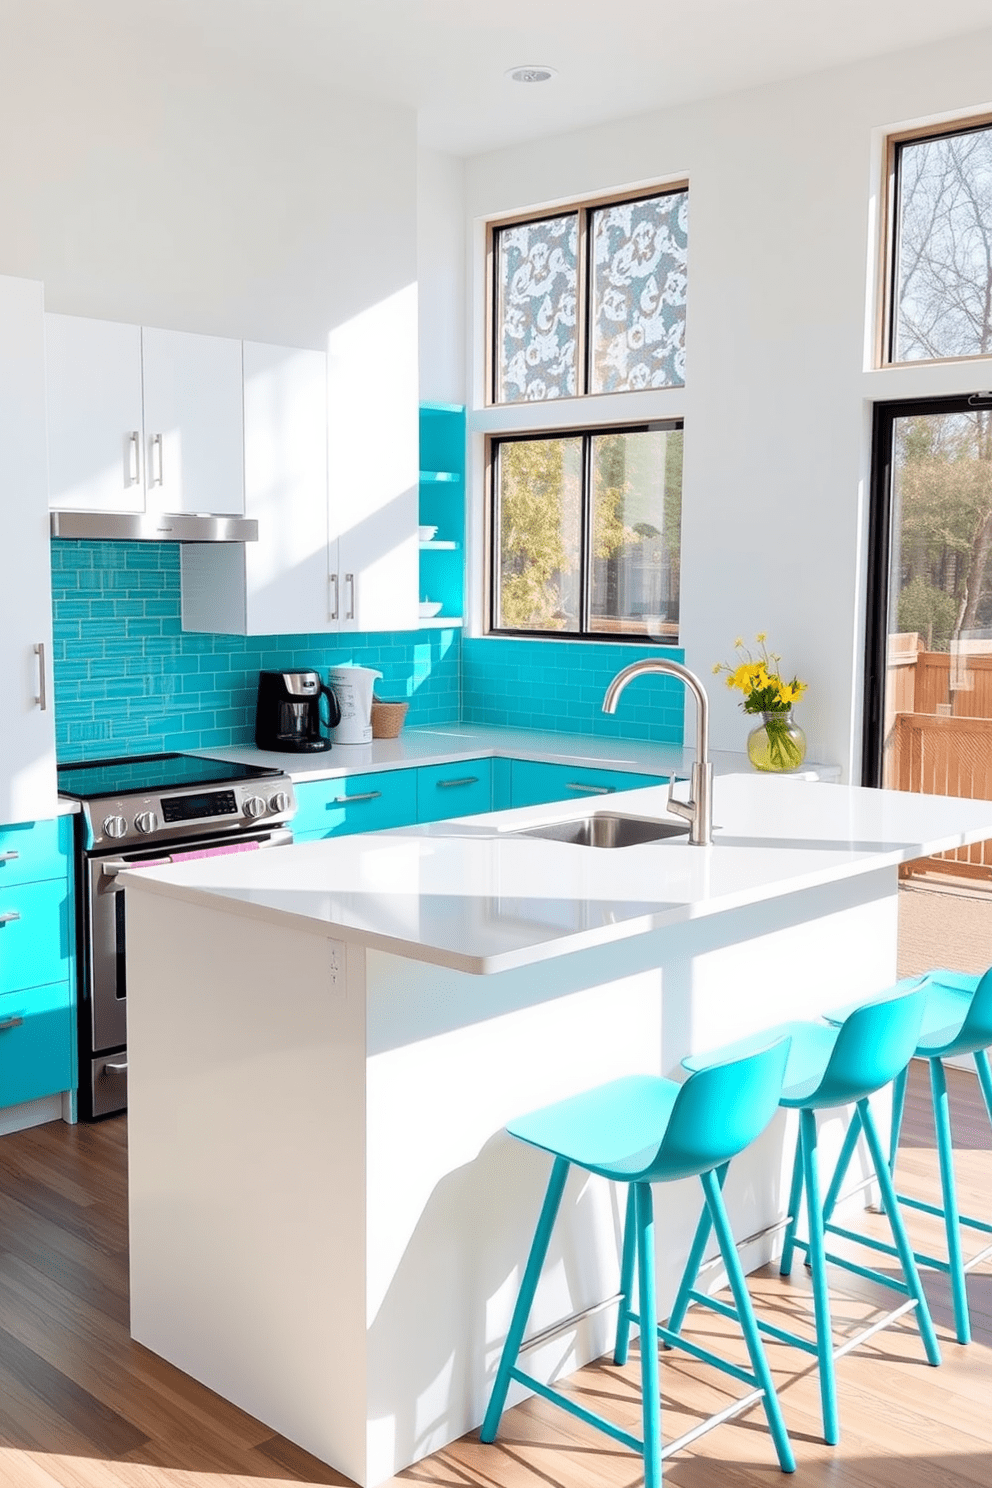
(82, 1405)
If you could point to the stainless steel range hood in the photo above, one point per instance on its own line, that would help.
(183, 527)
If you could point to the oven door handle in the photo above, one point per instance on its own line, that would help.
(113, 866)
(278, 837)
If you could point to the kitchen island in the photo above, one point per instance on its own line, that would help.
(327, 1220)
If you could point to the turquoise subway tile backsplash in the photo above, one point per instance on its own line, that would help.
(549, 684)
(129, 680)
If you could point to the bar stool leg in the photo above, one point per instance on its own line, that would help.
(695, 1260)
(525, 1297)
(898, 1107)
(795, 1194)
(712, 1186)
(843, 1163)
(984, 1077)
(923, 1319)
(626, 1278)
(821, 1295)
(945, 1152)
(648, 1306)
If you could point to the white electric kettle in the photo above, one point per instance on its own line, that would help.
(352, 686)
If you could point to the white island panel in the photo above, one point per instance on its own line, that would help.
(357, 1297)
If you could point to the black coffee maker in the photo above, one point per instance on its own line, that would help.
(288, 715)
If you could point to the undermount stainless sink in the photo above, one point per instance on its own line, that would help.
(606, 829)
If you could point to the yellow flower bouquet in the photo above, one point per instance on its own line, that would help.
(777, 744)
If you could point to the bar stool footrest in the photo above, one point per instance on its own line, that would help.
(937, 1210)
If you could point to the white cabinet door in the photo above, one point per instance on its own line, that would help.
(281, 584)
(27, 730)
(193, 420)
(93, 379)
(373, 442)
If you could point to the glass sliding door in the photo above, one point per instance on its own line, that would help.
(929, 673)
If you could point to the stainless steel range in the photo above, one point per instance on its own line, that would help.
(155, 808)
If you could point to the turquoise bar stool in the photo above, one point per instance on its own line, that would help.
(832, 1066)
(957, 1019)
(639, 1131)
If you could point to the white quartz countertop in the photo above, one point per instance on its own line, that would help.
(471, 895)
(461, 741)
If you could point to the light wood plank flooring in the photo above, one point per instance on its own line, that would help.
(82, 1405)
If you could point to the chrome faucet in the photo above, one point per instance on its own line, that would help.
(698, 810)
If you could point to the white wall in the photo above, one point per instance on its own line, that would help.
(146, 176)
(783, 189)
(441, 276)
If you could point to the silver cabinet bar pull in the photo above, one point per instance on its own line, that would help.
(464, 780)
(42, 698)
(591, 790)
(132, 459)
(333, 580)
(119, 1067)
(10, 916)
(347, 800)
(350, 581)
(10, 1023)
(155, 460)
(9, 857)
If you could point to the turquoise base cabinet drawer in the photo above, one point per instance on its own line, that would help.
(355, 803)
(34, 850)
(463, 788)
(34, 934)
(532, 783)
(36, 1043)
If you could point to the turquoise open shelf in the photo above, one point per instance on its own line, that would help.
(442, 505)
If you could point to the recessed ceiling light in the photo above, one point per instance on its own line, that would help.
(534, 73)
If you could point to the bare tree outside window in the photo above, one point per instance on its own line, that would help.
(943, 261)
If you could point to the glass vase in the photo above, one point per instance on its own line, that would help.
(777, 744)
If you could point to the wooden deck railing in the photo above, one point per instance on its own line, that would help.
(946, 756)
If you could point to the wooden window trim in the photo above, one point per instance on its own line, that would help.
(889, 233)
(583, 208)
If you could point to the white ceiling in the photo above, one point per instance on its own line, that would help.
(448, 58)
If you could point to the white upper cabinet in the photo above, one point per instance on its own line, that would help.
(284, 583)
(143, 420)
(373, 442)
(27, 730)
(95, 447)
(194, 433)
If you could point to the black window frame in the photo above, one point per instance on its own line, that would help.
(884, 418)
(583, 291)
(585, 432)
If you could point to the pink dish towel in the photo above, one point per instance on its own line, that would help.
(216, 852)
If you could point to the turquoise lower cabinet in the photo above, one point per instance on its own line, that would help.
(37, 1005)
(355, 803)
(33, 934)
(34, 850)
(459, 789)
(36, 1043)
(532, 782)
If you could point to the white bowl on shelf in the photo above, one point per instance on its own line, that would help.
(427, 534)
(429, 608)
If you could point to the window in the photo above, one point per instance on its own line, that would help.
(585, 532)
(940, 298)
(590, 301)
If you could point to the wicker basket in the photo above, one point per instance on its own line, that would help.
(387, 718)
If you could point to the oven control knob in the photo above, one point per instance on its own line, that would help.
(146, 821)
(253, 806)
(115, 826)
(279, 802)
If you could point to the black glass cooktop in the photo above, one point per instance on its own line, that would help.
(150, 772)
